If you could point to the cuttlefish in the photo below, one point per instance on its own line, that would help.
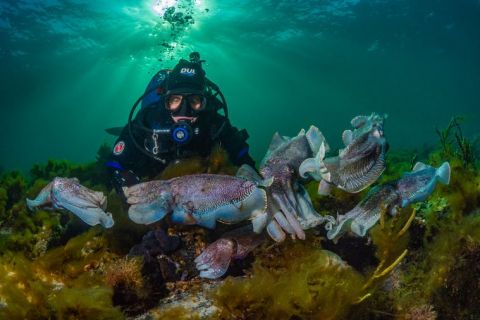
(414, 186)
(201, 199)
(69, 194)
(358, 165)
(272, 200)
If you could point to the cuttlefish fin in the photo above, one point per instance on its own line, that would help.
(249, 173)
(420, 166)
(209, 222)
(277, 140)
(183, 216)
(443, 173)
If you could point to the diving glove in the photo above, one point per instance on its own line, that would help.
(124, 178)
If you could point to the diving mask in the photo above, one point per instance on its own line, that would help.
(185, 104)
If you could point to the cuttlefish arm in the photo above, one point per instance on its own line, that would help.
(282, 163)
(69, 194)
(214, 261)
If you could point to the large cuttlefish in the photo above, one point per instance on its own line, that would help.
(201, 199)
(359, 164)
(69, 194)
(412, 187)
(286, 161)
(272, 199)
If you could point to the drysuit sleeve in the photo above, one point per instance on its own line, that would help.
(234, 141)
(124, 162)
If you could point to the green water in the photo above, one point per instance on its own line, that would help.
(69, 69)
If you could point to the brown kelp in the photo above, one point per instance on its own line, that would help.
(418, 264)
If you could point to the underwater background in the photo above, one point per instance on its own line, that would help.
(69, 69)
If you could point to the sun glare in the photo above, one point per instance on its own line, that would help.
(159, 6)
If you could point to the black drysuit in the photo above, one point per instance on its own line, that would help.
(127, 162)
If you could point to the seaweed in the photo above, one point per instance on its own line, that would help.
(453, 134)
(93, 174)
(216, 163)
(65, 283)
(301, 280)
(419, 264)
(297, 280)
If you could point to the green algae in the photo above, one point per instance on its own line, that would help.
(65, 283)
(216, 163)
(417, 273)
(298, 280)
(178, 313)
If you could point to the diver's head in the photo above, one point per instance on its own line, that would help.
(185, 91)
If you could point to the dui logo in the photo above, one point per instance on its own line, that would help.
(187, 71)
(119, 147)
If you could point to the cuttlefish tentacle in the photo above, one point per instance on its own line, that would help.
(275, 231)
(283, 163)
(308, 217)
(214, 261)
(289, 211)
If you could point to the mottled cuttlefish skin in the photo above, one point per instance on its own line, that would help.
(358, 165)
(69, 194)
(288, 209)
(417, 185)
(201, 199)
(365, 215)
(292, 151)
(412, 187)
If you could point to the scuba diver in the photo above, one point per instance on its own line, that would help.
(179, 118)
